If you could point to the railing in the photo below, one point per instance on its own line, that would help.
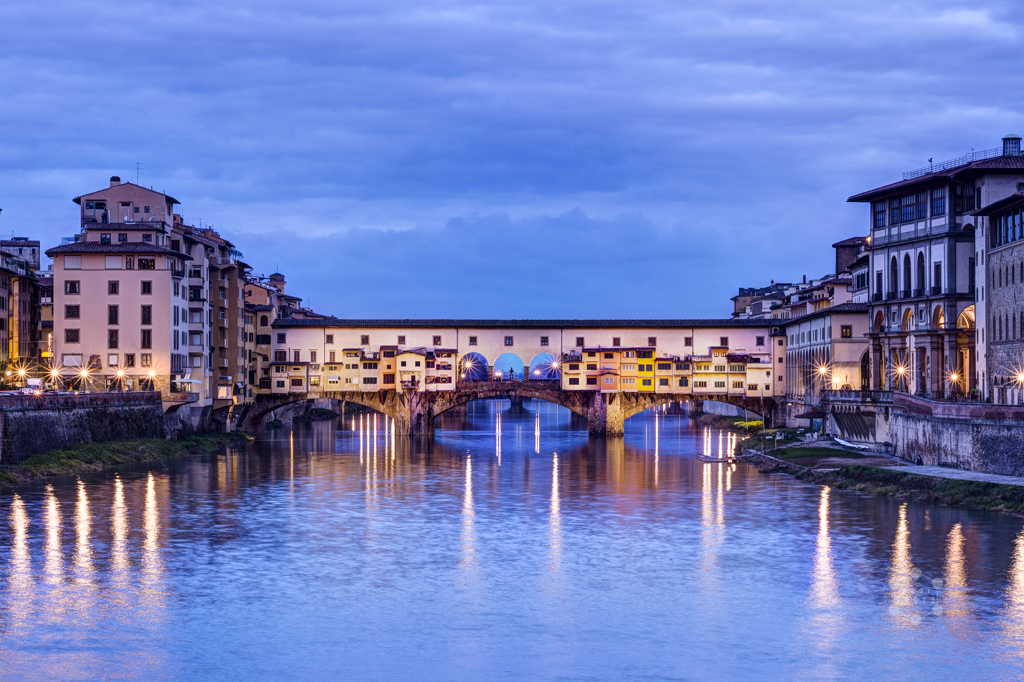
(177, 273)
(953, 163)
(196, 299)
(906, 293)
(876, 297)
(891, 296)
(918, 292)
(936, 291)
(840, 395)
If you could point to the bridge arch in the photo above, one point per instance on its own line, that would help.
(544, 367)
(506, 363)
(474, 367)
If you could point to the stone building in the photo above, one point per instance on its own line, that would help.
(923, 270)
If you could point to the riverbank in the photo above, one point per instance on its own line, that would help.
(93, 457)
(906, 485)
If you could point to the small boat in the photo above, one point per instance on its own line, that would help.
(705, 458)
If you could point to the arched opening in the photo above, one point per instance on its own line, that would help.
(508, 366)
(908, 320)
(894, 275)
(965, 320)
(544, 367)
(938, 318)
(879, 323)
(865, 370)
(920, 274)
(473, 367)
(263, 321)
(906, 276)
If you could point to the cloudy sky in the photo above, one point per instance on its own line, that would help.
(517, 159)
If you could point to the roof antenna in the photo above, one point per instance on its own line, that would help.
(136, 172)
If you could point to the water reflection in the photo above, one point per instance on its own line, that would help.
(330, 552)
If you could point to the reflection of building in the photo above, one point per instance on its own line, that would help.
(922, 269)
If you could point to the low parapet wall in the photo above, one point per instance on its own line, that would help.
(32, 424)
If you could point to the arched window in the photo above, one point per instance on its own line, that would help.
(894, 277)
(906, 275)
(263, 320)
(920, 273)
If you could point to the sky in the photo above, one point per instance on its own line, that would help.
(521, 159)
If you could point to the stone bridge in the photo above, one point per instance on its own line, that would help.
(414, 411)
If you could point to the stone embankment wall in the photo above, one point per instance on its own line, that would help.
(31, 425)
(978, 437)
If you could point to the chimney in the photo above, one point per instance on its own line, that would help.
(1011, 145)
(115, 181)
(805, 279)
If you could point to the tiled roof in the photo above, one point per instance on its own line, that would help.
(127, 227)
(522, 324)
(997, 163)
(260, 308)
(997, 206)
(858, 308)
(852, 241)
(78, 200)
(127, 247)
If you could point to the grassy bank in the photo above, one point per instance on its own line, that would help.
(91, 457)
(910, 486)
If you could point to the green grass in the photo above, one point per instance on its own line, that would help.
(906, 485)
(89, 457)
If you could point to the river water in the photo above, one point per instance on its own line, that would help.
(510, 549)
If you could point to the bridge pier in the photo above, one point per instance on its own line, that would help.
(605, 415)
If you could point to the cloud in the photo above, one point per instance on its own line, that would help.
(732, 131)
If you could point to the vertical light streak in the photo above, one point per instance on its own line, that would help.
(119, 530)
(151, 525)
(555, 542)
(83, 529)
(720, 517)
(956, 604)
(54, 558)
(824, 586)
(536, 434)
(1013, 613)
(21, 559)
(497, 437)
(901, 578)
(468, 560)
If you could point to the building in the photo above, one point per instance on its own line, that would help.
(924, 263)
(24, 248)
(1001, 298)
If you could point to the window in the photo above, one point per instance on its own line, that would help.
(664, 365)
(364, 340)
(263, 320)
(688, 341)
(963, 199)
(112, 359)
(737, 384)
(147, 338)
(312, 356)
(508, 340)
(369, 365)
(71, 312)
(330, 356)
(113, 288)
(719, 384)
(105, 238)
(652, 341)
(574, 368)
(112, 338)
(574, 381)
(388, 378)
(939, 201)
(646, 382)
(684, 381)
(437, 341)
(579, 341)
(70, 336)
(616, 341)
(297, 382)
(129, 359)
(147, 264)
(147, 288)
(129, 262)
(737, 368)
(592, 366)
(402, 363)
(111, 314)
(280, 384)
(700, 384)
(759, 340)
(146, 238)
(609, 356)
(663, 382)
(846, 331)
(72, 262)
(879, 209)
(369, 380)
(609, 381)
(72, 286)
(591, 381)
(296, 355)
(330, 338)
(723, 341)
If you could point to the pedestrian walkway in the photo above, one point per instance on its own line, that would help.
(960, 474)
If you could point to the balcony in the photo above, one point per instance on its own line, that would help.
(918, 292)
(891, 296)
(196, 299)
(177, 273)
(905, 293)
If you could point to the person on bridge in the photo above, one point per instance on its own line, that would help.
(511, 374)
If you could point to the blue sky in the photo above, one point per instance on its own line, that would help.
(519, 159)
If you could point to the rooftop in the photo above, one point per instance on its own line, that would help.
(943, 171)
(124, 247)
(520, 324)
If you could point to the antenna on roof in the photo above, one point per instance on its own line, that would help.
(136, 172)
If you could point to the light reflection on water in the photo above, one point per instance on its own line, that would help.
(353, 554)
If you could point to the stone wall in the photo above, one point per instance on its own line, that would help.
(978, 437)
(31, 425)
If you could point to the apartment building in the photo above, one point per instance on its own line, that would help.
(926, 250)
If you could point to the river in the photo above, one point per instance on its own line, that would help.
(509, 549)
